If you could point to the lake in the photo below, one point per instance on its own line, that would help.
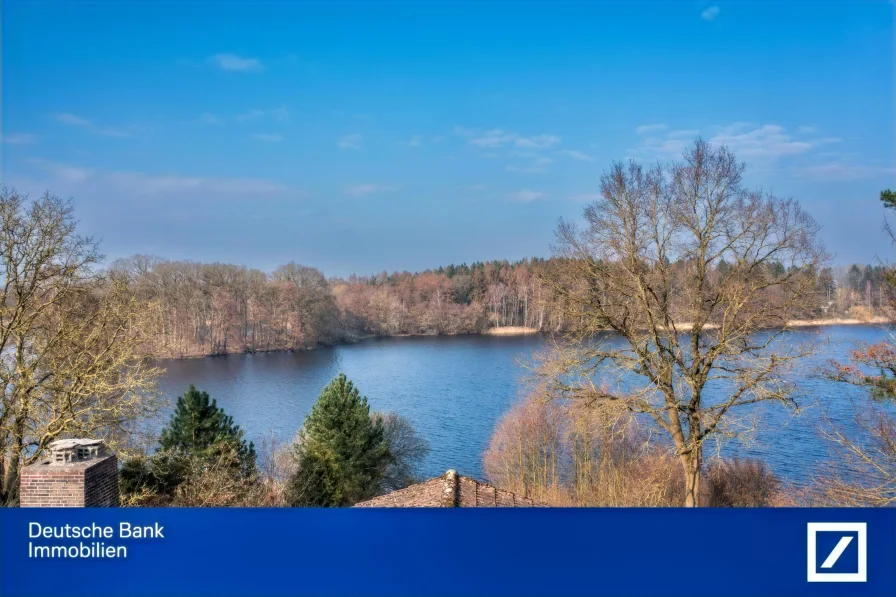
(454, 389)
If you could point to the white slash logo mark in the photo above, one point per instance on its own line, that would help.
(824, 572)
(837, 552)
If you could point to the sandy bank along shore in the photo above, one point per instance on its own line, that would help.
(510, 330)
(805, 323)
(516, 330)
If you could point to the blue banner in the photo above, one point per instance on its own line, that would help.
(443, 552)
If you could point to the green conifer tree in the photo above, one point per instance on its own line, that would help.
(201, 429)
(342, 451)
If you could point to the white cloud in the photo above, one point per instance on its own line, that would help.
(538, 141)
(360, 190)
(268, 137)
(414, 141)
(232, 62)
(766, 142)
(537, 166)
(72, 120)
(650, 128)
(667, 146)
(280, 114)
(110, 132)
(576, 155)
(841, 171)
(350, 114)
(76, 177)
(19, 139)
(254, 114)
(492, 138)
(499, 138)
(65, 173)
(209, 119)
(462, 131)
(801, 152)
(78, 121)
(352, 141)
(526, 196)
(710, 13)
(173, 184)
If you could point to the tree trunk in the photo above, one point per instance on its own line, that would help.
(11, 492)
(11, 482)
(692, 464)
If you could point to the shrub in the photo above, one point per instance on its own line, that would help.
(739, 482)
(152, 480)
(406, 451)
(202, 460)
(573, 454)
(563, 454)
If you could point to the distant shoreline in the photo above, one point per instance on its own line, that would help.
(809, 323)
(513, 330)
(518, 331)
(801, 323)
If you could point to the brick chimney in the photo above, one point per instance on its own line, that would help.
(78, 473)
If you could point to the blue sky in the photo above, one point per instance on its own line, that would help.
(358, 137)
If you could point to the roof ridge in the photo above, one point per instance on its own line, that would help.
(450, 493)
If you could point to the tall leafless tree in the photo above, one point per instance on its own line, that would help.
(645, 265)
(70, 338)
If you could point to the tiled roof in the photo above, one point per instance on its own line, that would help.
(448, 491)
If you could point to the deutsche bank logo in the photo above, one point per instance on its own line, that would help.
(837, 552)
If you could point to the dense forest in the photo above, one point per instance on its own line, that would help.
(202, 309)
(198, 309)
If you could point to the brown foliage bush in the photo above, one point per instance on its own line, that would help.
(860, 313)
(175, 478)
(740, 482)
(570, 454)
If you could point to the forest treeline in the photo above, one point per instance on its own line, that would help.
(197, 309)
(200, 308)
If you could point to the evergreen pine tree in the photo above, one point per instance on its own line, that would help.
(342, 452)
(201, 429)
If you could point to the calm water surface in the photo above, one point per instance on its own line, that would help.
(454, 389)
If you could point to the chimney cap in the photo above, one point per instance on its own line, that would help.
(65, 451)
(63, 444)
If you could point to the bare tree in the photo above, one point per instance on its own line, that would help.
(524, 454)
(306, 294)
(573, 454)
(70, 339)
(868, 450)
(407, 449)
(866, 471)
(645, 265)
